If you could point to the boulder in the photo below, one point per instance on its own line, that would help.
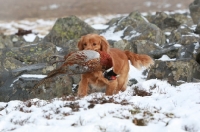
(66, 29)
(197, 29)
(163, 21)
(9, 41)
(194, 8)
(22, 89)
(183, 18)
(133, 19)
(175, 72)
(146, 47)
(183, 35)
(169, 50)
(191, 51)
(145, 31)
(32, 53)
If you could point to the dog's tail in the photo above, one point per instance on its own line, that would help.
(139, 60)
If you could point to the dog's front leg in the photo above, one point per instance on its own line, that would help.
(111, 87)
(83, 86)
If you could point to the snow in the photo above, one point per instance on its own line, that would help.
(196, 47)
(166, 109)
(166, 58)
(169, 108)
(111, 35)
(100, 26)
(29, 37)
(134, 34)
(32, 75)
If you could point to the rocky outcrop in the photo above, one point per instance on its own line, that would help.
(194, 8)
(176, 72)
(67, 31)
(197, 29)
(156, 35)
(183, 35)
(163, 21)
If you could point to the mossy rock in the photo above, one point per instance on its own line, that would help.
(184, 70)
(66, 29)
(32, 53)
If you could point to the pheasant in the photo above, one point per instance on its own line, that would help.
(80, 62)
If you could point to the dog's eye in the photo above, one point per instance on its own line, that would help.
(94, 44)
(84, 44)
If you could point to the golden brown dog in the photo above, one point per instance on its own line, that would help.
(120, 65)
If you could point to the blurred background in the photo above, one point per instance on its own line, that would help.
(22, 9)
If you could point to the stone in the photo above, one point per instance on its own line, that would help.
(22, 89)
(197, 29)
(66, 29)
(145, 31)
(175, 72)
(191, 51)
(183, 35)
(163, 21)
(32, 53)
(194, 8)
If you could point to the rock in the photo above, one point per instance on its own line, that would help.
(183, 35)
(121, 44)
(194, 8)
(132, 81)
(6, 66)
(163, 21)
(146, 47)
(145, 31)
(163, 34)
(7, 78)
(169, 50)
(32, 53)
(183, 18)
(191, 51)
(197, 29)
(22, 89)
(114, 20)
(10, 41)
(66, 29)
(175, 72)
(133, 19)
(136, 27)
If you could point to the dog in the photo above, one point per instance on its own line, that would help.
(120, 61)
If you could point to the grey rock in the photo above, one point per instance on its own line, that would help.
(141, 36)
(191, 51)
(175, 72)
(184, 18)
(146, 47)
(22, 89)
(169, 50)
(66, 29)
(183, 35)
(32, 53)
(133, 19)
(121, 44)
(197, 29)
(163, 21)
(147, 31)
(194, 8)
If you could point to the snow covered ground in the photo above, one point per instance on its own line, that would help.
(148, 106)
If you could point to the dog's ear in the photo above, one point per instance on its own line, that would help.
(80, 43)
(104, 44)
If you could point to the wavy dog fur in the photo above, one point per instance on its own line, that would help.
(120, 60)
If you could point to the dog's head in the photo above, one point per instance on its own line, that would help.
(93, 42)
